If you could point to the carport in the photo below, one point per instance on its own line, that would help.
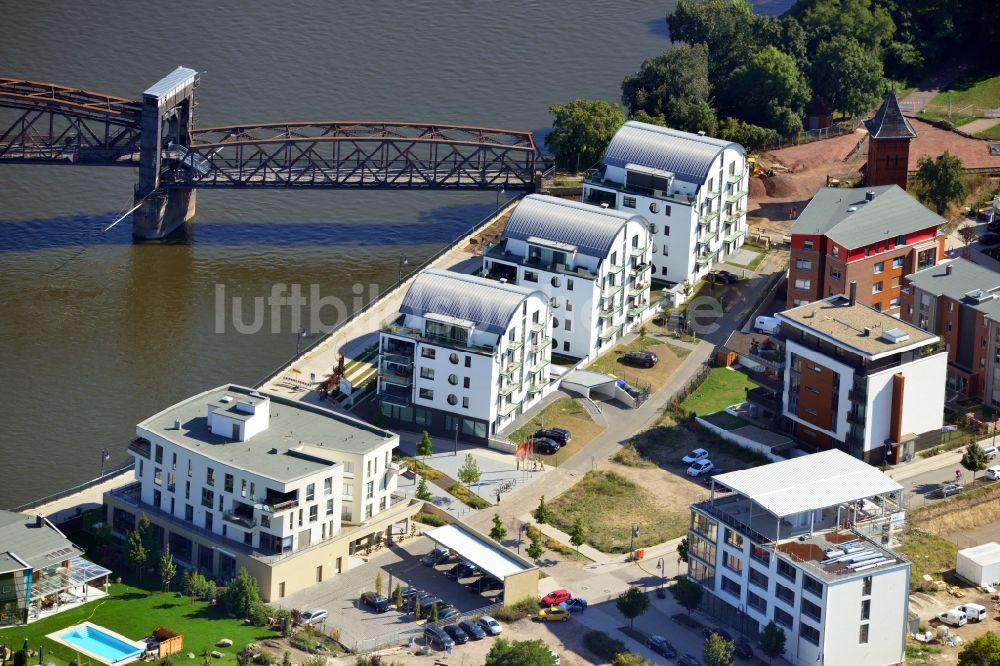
(519, 576)
(596, 386)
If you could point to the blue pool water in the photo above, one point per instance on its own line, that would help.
(95, 641)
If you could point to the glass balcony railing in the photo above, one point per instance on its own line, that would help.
(507, 389)
(615, 268)
(508, 409)
(541, 344)
(638, 289)
(638, 250)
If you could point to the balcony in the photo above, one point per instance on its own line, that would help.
(615, 268)
(639, 270)
(536, 385)
(140, 446)
(705, 218)
(638, 289)
(708, 235)
(401, 360)
(855, 418)
(537, 327)
(714, 194)
(395, 326)
(541, 344)
(508, 409)
(610, 291)
(508, 388)
(638, 250)
(638, 308)
(396, 375)
(609, 332)
(540, 364)
(734, 235)
(511, 368)
(514, 345)
(281, 505)
(738, 194)
(238, 519)
(858, 394)
(735, 178)
(705, 258)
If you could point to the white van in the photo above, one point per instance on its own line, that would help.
(990, 451)
(953, 617)
(769, 325)
(974, 612)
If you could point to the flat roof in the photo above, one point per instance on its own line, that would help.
(983, 554)
(306, 436)
(837, 320)
(810, 482)
(38, 546)
(488, 557)
(965, 281)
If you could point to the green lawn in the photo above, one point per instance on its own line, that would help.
(992, 134)
(721, 388)
(980, 90)
(135, 612)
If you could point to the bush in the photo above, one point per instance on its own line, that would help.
(265, 659)
(467, 496)
(527, 607)
(258, 615)
(603, 646)
(430, 519)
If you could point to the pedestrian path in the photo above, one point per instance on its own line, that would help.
(589, 552)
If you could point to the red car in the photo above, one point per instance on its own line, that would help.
(556, 597)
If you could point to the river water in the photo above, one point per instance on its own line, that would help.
(97, 333)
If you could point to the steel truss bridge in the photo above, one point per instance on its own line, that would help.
(46, 123)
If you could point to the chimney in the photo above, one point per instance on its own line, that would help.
(870, 195)
(867, 332)
(39, 521)
(177, 424)
(947, 268)
(854, 292)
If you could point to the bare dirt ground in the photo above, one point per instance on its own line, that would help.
(931, 142)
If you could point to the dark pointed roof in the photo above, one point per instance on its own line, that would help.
(889, 122)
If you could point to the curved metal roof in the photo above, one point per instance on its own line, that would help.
(591, 229)
(686, 155)
(488, 304)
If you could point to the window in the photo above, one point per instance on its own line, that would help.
(313, 513)
(787, 570)
(189, 513)
(370, 490)
(784, 593)
(569, 285)
(807, 244)
(310, 492)
(158, 455)
(810, 609)
(329, 507)
(452, 399)
(328, 485)
(835, 251)
(210, 476)
(900, 240)
(731, 586)
(569, 325)
(897, 262)
(803, 284)
(809, 633)
(812, 586)
(158, 476)
(427, 352)
(894, 302)
(803, 265)
(866, 609)
(866, 585)
(760, 553)
(566, 345)
(734, 539)
(556, 281)
(863, 634)
(453, 379)
(653, 229)
(756, 602)
(426, 394)
(468, 361)
(879, 266)
(190, 468)
(666, 251)
(427, 373)
(703, 526)
(265, 520)
(228, 483)
(207, 498)
(663, 270)
(530, 276)
(628, 202)
(877, 287)
(758, 579)
(453, 357)
(654, 207)
(666, 211)
(348, 491)
(732, 562)
(835, 273)
(783, 618)
(465, 403)
(465, 382)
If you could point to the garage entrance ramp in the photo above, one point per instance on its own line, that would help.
(598, 386)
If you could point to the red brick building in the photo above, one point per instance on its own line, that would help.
(873, 236)
(889, 136)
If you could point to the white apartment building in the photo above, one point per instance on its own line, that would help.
(691, 188)
(465, 355)
(861, 380)
(593, 264)
(806, 543)
(234, 477)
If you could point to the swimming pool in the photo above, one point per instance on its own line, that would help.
(100, 643)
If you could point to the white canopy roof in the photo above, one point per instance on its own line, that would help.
(983, 554)
(811, 482)
(487, 557)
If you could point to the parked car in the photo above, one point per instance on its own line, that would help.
(561, 436)
(989, 238)
(697, 454)
(315, 616)
(410, 602)
(661, 646)
(725, 277)
(769, 325)
(545, 446)
(993, 473)
(463, 569)
(437, 639)
(948, 489)
(688, 660)
(643, 359)
(990, 451)
(456, 634)
(708, 631)
(473, 630)
(711, 475)
(953, 617)
(553, 614)
(376, 602)
(575, 605)
(485, 584)
(556, 597)
(436, 556)
(448, 613)
(490, 626)
(743, 649)
(700, 467)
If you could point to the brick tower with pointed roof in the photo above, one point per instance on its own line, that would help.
(889, 136)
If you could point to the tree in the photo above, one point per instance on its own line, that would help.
(433, 617)
(242, 596)
(425, 447)
(772, 640)
(542, 514)
(397, 596)
(416, 607)
(167, 568)
(717, 651)
(727, 28)
(378, 583)
(984, 651)
(286, 659)
(672, 87)
(469, 472)
(498, 533)
(773, 90)
(632, 603)
(682, 549)
(688, 594)
(423, 493)
(535, 548)
(581, 131)
(379, 419)
(137, 553)
(940, 182)
(149, 539)
(519, 653)
(847, 75)
(630, 659)
(576, 535)
(903, 61)
(823, 20)
(974, 459)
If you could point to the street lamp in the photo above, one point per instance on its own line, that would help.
(456, 437)
(500, 191)
(631, 543)
(298, 340)
(105, 457)
(402, 262)
(663, 572)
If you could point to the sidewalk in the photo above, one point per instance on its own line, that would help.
(923, 465)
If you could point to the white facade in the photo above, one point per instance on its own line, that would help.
(465, 353)
(232, 462)
(592, 264)
(979, 564)
(691, 188)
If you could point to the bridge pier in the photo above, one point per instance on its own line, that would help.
(164, 216)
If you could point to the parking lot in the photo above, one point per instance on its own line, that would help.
(360, 625)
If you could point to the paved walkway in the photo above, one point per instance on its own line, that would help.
(979, 125)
